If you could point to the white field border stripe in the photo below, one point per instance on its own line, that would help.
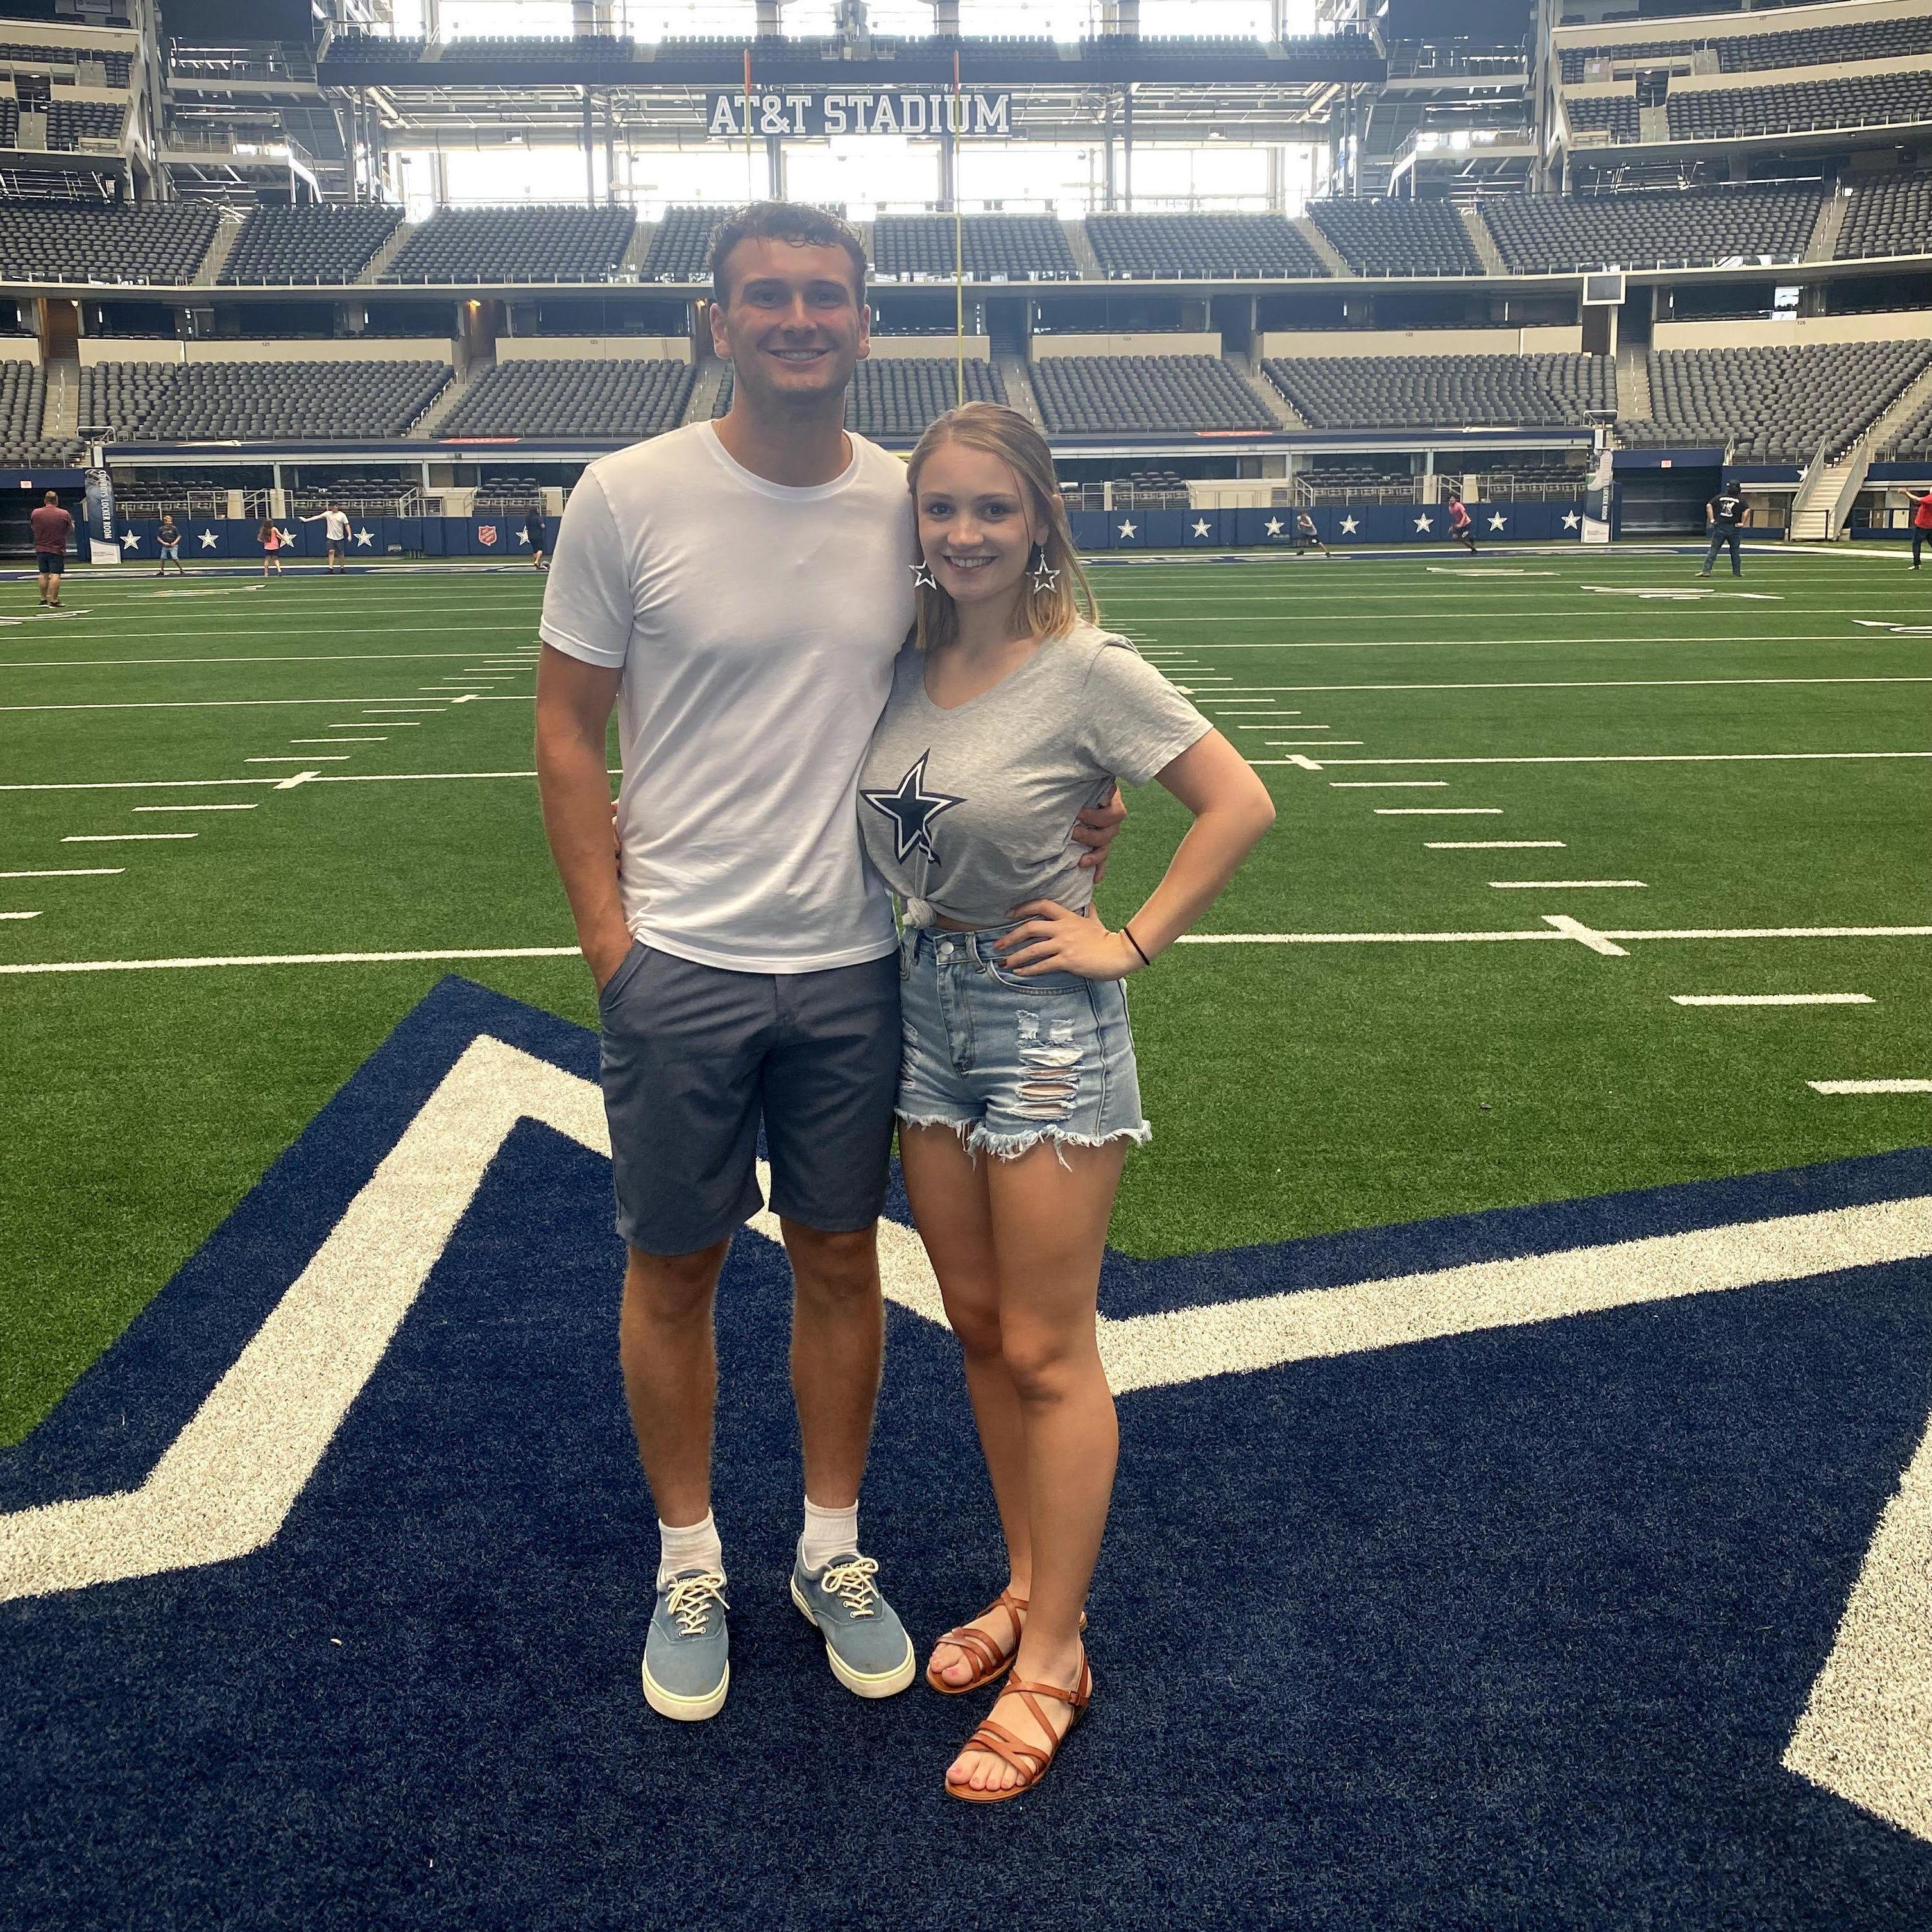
(1772, 999)
(224, 1486)
(1870, 1086)
(1571, 684)
(258, 703)
(1866, 1730)
(1569, 929)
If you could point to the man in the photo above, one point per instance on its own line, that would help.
(334, 522)
(1461, 530)
(52, 527)
(536, 533)
(1728, 513)
(746, 584)
(1922, 521)
(1306, 533)
(168, 536)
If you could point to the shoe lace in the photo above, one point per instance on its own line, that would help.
(852, 1584)
(690, 1599)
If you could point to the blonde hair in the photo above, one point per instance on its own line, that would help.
(997, 430)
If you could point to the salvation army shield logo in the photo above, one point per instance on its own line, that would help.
(486, 535)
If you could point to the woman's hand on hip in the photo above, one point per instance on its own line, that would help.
(1057, 940)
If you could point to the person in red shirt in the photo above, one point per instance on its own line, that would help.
(1921, 522)
(52, 527)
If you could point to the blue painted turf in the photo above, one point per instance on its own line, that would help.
(1507, 1630)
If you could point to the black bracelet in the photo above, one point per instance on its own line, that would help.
(1128, 932)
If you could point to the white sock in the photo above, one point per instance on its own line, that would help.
(828, 1533)
(697, 1548)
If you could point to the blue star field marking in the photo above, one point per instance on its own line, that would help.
(912, 809)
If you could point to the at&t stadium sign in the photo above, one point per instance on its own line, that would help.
(804, 116)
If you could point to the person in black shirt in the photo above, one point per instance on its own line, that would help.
(1728, 513)
(538, 534)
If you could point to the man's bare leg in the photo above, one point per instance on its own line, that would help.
(838, 1345)
(670, 1359)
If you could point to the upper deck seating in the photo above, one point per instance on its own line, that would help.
(1201, 246)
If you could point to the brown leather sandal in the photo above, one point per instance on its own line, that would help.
(991, 1662)
(1030, 1761)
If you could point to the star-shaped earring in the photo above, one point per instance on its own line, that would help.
(922, 579)
(1044, 578)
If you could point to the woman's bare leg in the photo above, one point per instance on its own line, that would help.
(1049, 1211)
(947, 1189)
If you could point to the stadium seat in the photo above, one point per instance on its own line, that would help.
(295, 400)
(1773, 405)
(515, 245)
(22, 396)
(1444, 391)
(1889, 214)
(1087, 395)
(897, 397)
(1200, 246)
(327, 242)
(82, 241)
(628, 398)
(1844, 101)
(998, 247)
(1554, 234)
(1398, 238)
(680, 249)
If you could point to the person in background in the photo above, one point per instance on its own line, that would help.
(1922, 521)
(169, 537)
(334, 522)
(1728, 513)
(537, 531)
(272, 540)
(52, 527)
(1306, 533)
(1462, 529)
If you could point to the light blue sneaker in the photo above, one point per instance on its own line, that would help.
(687, 1655)
(865, 1642)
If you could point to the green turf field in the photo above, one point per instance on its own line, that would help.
(1429, 1042)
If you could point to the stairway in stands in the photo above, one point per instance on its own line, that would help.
(1313, 234)
(709, 379)
(1831, 212)
(227, 230)
(1633, 384)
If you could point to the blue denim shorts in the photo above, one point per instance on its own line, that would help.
(1008, 1062)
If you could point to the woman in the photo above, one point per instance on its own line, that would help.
(1018, 1099)
(271, 540)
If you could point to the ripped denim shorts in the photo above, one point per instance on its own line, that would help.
(1008, 1062)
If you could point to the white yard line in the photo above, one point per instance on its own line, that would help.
(123, 838)
(71, 872)
(1492, 845)
(1651, 758)
(1563, 885)
(1581, 684)
(306, 759)
(1870, 1086)
(250, 807)
(1556, 928)
(1772, 999)
(19, 915)
(1438, 811)
(334, 741)
(1387, 784)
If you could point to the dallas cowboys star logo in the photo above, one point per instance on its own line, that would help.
(912, 809)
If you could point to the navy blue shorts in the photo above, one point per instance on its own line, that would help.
(51, 563)
(694, 1059)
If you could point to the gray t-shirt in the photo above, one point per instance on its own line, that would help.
(967, 812)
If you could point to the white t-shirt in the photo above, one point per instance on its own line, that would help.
(335, 526)
(757, 626)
